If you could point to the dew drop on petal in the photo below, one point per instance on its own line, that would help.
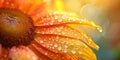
(55, 45)
(65, 51)
(66, 46)
(73, 51)
(59, 48)
(41, 41)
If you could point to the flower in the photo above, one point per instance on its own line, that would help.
(49, 36)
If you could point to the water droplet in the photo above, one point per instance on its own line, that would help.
(73, 51)
(46, 53)
(59, 48)
(51, 44)
(56, 18)
(55, 45)
(60, 20)
(66, 46)
(41, 41)
(80, 52)
(63, 33)
(99, 28)
(65, 51)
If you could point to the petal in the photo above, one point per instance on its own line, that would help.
(61, 44)
(27, 6)
(24, 5)
(0, 50)
(60, 18)
(67, 31)
(37, 10)
(58, 5)
(4, 53)
(22, 53)
(8, 3)
(1, 2)
(49, 55)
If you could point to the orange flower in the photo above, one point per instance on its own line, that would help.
(28, 34)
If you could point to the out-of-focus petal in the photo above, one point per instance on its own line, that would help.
(1, 1)
(8, 3)
(4, 53)
(61, 44)
(67, 31)
(0, 50)
(22, 53)
(46, 54)
(58, 5)
(26, 6)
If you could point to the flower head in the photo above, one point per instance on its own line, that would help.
(29, 33)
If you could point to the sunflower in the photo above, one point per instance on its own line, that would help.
(28, 33)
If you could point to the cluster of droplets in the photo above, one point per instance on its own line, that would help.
(57, 19)
(56, 34)
(66, 31)
(54, 44)
(63, 18)
(59, 30)
(61, 44)
(50, 53)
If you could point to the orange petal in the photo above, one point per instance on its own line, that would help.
(4, 53)
(61, 44)
(27, 6)
(22, 53)
(60, 18)
(1, 2)
(36, 47)
(36, 9)
(8, 3)
(54, 19)
(68, 32)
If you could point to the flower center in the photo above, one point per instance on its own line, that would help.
(16, 28)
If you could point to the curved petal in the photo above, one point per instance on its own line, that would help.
(4, 53)
(49, 55)
(61, 44)
(22, 53)
(8, 3)
(67, 31)
(27, 6)
(60, 18)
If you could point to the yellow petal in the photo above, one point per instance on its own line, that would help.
(58, 18)
(46, 54)
(88, 23)
(61, 44)
(67, 31)
(58, 5)
(61, 18)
